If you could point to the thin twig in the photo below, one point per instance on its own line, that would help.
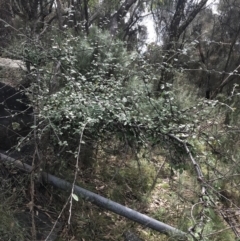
(76, 172)
(157, 176)
(55, 223)
(31, 205)
(71, 195)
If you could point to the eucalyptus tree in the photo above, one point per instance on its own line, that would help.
(173, 19)
(36, 15)
(199, 58)
(230, 32)
(5, 19)
(121, 18)
(211, 49)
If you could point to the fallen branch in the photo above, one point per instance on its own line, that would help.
(101, 201)
(202, 183)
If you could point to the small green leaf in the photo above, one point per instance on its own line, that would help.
(16, 126)
(75, 197)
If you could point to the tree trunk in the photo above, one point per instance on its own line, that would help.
(176, 29)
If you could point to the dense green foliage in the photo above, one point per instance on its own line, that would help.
(137, 114)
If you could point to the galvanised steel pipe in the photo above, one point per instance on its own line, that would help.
(103, 202)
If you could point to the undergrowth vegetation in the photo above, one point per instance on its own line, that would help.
(172, 157)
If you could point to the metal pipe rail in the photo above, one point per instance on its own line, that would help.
(100, 201)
